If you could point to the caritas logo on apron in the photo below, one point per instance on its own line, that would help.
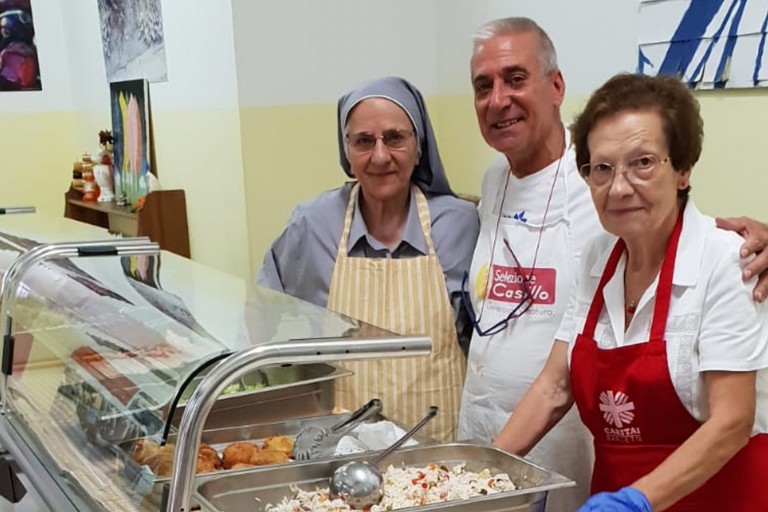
(618, 413)
(507, 284)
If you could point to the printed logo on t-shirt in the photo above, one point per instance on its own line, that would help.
(507, 284)
(618, 412)
(519, 216)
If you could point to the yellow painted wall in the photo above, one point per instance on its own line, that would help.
(199, 151)
(731, 177)
(464, 152)
(36, 155)
(290, 155)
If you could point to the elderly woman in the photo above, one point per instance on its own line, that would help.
(389, 249)
(662, 348)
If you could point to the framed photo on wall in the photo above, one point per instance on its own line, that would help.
(133, 40)
(130, 130)
(19, 66)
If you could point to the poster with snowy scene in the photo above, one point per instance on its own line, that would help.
(132, 40)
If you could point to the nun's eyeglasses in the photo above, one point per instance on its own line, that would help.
(364, 142)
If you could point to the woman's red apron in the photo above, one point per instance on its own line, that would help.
(626, 398)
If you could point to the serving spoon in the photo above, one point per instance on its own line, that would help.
(360, 483)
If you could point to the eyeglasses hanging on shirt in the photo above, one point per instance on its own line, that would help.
(523, 292)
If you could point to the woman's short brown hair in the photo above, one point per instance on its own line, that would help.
(674, 102)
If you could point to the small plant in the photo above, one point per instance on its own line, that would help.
(106, 140)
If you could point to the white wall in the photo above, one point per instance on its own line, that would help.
(310, 51)
(199, 50)
(305, 51)
(594, 38)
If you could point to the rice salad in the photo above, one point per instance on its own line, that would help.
(407, 487)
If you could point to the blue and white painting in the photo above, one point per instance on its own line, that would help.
(710, 44)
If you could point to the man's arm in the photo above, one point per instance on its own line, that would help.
(755, 242)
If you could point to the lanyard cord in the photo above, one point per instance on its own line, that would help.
(546, 211)
(541, 228)
(493, 246)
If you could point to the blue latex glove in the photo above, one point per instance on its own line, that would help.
(627, 499)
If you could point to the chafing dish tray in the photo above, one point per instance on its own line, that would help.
(150, 485)
(252, 490)
(292, 391)
(267, 395)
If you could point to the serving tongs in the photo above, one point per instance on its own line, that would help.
(313, 442)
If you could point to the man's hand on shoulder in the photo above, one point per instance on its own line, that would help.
(755, 242)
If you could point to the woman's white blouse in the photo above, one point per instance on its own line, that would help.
(713, 323)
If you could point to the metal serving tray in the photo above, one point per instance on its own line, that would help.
(292, 391)
(259, 432)
(150, 485)
(253, 489)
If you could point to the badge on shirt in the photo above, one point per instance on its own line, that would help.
(507, 284)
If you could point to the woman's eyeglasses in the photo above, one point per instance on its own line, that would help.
(637, 170)
(526, 300)
(364, 142)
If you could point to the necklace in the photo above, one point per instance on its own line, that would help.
(632, 307)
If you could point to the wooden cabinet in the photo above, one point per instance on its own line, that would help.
(163, 218)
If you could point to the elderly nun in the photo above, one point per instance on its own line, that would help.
(390, 249)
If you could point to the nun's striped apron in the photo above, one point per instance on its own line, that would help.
(407, 296)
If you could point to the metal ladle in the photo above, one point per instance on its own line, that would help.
(360, 483)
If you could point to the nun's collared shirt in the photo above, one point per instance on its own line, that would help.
(362, 244)
(301, 260)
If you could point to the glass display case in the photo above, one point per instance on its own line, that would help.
(132, 380)
(104, 350)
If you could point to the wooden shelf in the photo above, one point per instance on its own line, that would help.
(109, 208)
(163, 218)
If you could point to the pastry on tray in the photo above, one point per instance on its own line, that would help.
(280, 443)
(241, 452)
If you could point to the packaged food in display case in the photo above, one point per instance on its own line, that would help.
(105, 350)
